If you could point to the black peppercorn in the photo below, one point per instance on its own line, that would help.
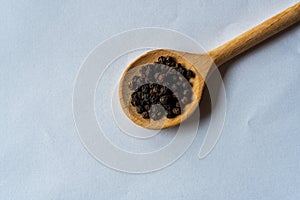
(147, 107)
(187, 93)
(145, 88)
(174, 87)
(176, 111)
(135, 78)
(164, 99)
(182, 71)
(167, 107)
(185, 100)
(145, 115)
(161, 78)
(154, 90)
(175, 95)
(170, 115)
(190, 74)
(178, 65)
(131, 85)
(153, 99)
(134, 95)
(149, 71)
(185, 85)
(145, 96)
(156, 75)
(134, 102)
(169, 59)
(139, 109)
(162, 59)
(139, 95)
(163, 90)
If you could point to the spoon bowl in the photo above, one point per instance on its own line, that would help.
(198, 63)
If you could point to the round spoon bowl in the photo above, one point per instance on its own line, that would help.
(150, 58)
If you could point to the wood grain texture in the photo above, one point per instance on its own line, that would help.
(256, 35)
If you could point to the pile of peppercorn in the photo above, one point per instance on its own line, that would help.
(162, 89)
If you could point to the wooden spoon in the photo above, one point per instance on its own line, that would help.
(201, 64)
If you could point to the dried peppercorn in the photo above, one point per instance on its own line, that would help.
(163, 90)
(164, 99)
(190, 74)
(145, 115)
(162, 59)
(176, 111)
(185, 100)
(187, 93)
(139, 109)
(145, 88)
(167, 107)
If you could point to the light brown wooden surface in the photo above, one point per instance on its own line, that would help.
(201, 64)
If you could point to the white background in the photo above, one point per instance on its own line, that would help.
(43, 44)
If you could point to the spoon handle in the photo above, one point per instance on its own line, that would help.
(256, 35)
